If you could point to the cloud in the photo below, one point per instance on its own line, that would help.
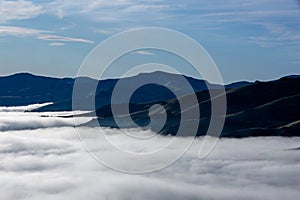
(50, 163)
(143, 52)
(62, 8)
(15, 118)
(67, 27)
(263, 16)
(56, 44)
(114, 30)
(39, 34)
(207, 16)
(63, 39)
(20, 31)
(110, 11)
(19, 10)
(143, 8)
(278, 35)
(104, 32)
(274, 24)
(22, 108)
(25, 122)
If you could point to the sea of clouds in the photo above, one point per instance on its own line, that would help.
(42, 158)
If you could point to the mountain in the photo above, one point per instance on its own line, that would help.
(260, 109)
(253, 109)
(238, 84)
(23, 89)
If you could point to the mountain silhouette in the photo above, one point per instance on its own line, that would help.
(253, 109)
(24, 88)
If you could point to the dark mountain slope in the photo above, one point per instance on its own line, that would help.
(147, 93)
(259, 93)
(254, 109)
(267, 119)
(261, 109)
(24, 89)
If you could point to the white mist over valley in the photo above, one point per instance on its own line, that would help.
(41, 157)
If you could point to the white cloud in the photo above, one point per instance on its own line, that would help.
(143, 8)
(14, 118)
(208, 15)
(278, 35)
(114, 30)
(104, 32)
(50, 163)
(62, 8)
(24, 122)
(18, 10)
(19, 31)
(142, 52)
(22, 108)
(109, 11)
(63, 39)
(39, 34)
(56, 44)
(67, 27)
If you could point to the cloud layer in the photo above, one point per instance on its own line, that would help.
(14, 118)
(18, 10)
(50, 163)
(22, 108)
(39, 34)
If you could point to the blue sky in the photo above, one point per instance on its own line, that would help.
(248, 39)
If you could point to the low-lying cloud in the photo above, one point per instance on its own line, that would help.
(22, 108)
(50, 163)
(16, 119)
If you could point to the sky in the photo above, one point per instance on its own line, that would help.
(248, 40)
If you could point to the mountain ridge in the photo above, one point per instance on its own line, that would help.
(24, 88)
(253, 109)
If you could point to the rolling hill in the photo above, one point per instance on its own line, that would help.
(253, 109)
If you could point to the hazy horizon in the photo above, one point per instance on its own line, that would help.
(43, 75)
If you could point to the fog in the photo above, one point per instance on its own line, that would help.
(23, 108)
(15, 118)
(43, 158)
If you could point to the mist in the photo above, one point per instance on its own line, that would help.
(43, 158)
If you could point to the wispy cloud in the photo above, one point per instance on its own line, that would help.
(104, 32)
(18, 10)
(143, 8)
(62, 8)
(114, 30)
(20, 31)
(110, 11)
(208, 14)
(67, 27)
(277, 34)
(56, 44)
(39, 34)
(63, 39)
(22, 108)
(143, 52)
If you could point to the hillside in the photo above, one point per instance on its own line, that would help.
(253, 109)
(259, 109)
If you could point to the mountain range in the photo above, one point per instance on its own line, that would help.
(24, 88)
(253, 109)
